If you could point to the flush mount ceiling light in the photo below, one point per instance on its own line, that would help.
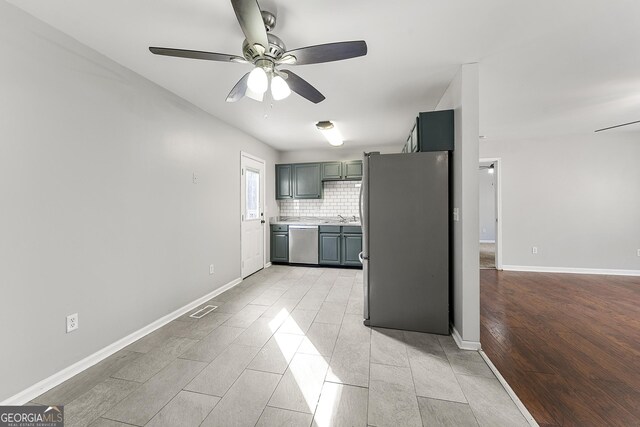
(330, 132)
(265, 52)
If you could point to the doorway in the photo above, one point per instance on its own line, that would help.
(252, 228)
(490, 209)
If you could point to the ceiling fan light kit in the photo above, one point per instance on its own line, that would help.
(266, 52)
(279, 88)
(258, 80)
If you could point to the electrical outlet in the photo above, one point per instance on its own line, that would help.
(534, 250)
(638, 252)
(196, 178)
(72, 322)
(211, 270)
(456, 214)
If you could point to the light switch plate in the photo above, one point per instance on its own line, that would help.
(534, 250)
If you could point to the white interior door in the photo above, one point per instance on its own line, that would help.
(252, 210)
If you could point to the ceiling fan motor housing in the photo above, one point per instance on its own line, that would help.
(274, 51)
(276, 47)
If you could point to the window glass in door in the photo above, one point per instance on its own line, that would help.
(252, 203)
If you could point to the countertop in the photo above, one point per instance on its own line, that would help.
(307, 220)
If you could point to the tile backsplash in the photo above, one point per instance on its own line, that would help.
(340, 198)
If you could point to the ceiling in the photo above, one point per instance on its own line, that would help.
(546, 67)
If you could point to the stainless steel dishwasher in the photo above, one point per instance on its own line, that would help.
(303, 244)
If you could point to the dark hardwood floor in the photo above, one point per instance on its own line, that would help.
(568, 345)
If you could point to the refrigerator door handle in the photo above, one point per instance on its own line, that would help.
(361, 201)
(364, 220)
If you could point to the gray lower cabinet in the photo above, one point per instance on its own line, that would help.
(340, 245)
(279, 243)
(330, 248)
(351, 248)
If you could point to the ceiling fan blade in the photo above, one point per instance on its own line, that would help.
(239, 90)
(196, 54)
(303, 88)
(250, 20)
(328, 52)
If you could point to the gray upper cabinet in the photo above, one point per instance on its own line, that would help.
(353, 169)
(338, 171)
(432, 131)
(306, 181)
(284, 183)
(435, 131)
(331, 171)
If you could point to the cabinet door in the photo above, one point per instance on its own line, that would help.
(353, 169)
(351, 248)
(279, 247)
(331, 171)
(330, 248)
(283, 182)
(436, 131)
(306, 181)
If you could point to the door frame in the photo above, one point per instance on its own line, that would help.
(497, 161)
(263, 189)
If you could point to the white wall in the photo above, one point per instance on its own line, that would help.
(487, 205)
(98, 212)
(344, 152)
(577, 198)
(462, 96)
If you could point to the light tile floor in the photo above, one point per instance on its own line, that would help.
(287, 347)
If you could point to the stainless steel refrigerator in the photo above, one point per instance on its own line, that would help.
(404, 202)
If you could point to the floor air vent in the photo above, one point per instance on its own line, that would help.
(203, 311)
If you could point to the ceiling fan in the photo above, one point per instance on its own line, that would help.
(267, 52)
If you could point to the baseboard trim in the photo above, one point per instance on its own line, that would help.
(538, 269)
(59, 377)
(267, 265)
(462, 344)
(512, 394)
(487, 241)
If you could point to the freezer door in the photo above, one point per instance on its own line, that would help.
(408, 241)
